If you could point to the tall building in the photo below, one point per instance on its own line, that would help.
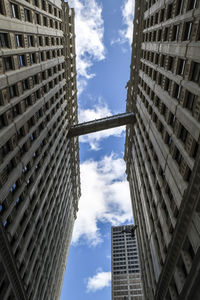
(39, 165)
(162, 150)
(126, 279)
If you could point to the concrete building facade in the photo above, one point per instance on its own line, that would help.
(126, 277)
(162, 150)
(39, 165)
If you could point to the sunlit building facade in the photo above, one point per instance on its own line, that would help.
(126, 277)
(162, 150)
(39, 165)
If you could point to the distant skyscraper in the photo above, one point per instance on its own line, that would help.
(126, 279)
(39, 165)
(162, 150)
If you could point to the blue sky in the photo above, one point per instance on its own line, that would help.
(103, 38)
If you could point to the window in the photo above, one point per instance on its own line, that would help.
(191, 4)
(13, 91)
(187, 31)
(31, 40)
(15, 10)
(27, 15)
(181, 66)
(47, 41)
(1, 8)
(8, 63)
(40, 41)
(169, 11)
(179, 6)
(196, 72)
(4, 40)
(189, 104)
(170, 63)
(183, 134)
(32, 58)
(19, 40)
(45, 21)
(22, 61)
(177, 90)
(37, 19)
(25, 84)
(178, 156)
(35, 2)
(166, 34)
(43, 5)
(175, 32)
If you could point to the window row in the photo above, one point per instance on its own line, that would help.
(24, 41)
(18, 61)
(29, 16)
(171, 11)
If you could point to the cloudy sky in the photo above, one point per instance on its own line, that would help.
(103, 48)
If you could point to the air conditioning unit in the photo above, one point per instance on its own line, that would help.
(7, 117)
(22, 107)
(12, 142)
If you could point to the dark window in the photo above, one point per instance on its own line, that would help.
(13, 91)
(19, 40)
(170, 63)
(166, 34)
(196, 72)
(27, 15)
(187, 31)
(31, 40)
(40, 41)
(183, 134)
(46, 40)
(190, 101)
(1, 8)
(22, 61)
(181, 66)
(175, 31)
(32, 58)
(162, 13)
(37, 18)
(43, 5)
(4, 40)
(15, 10)
(177, 90)
(191, 4)
(35, 2)
(162, 62)
(8, 63)
(178, 156)
(44, 21)
(25, 84)
(179, 6)
(172, 120)
(169, 11)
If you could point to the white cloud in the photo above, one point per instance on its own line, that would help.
(89, 28)
(98, 281)
(126, 34)
(100, 111)
(105, 198)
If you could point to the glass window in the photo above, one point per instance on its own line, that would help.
(13, 91)
(190, 101)
(4, 40)
(22, 61)
(25, 84)
(15, 10)
(187, 31)
(181, 66)
(19, 40)
(27, 15)
(8, 63)
(196, 72)
(31, 40)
